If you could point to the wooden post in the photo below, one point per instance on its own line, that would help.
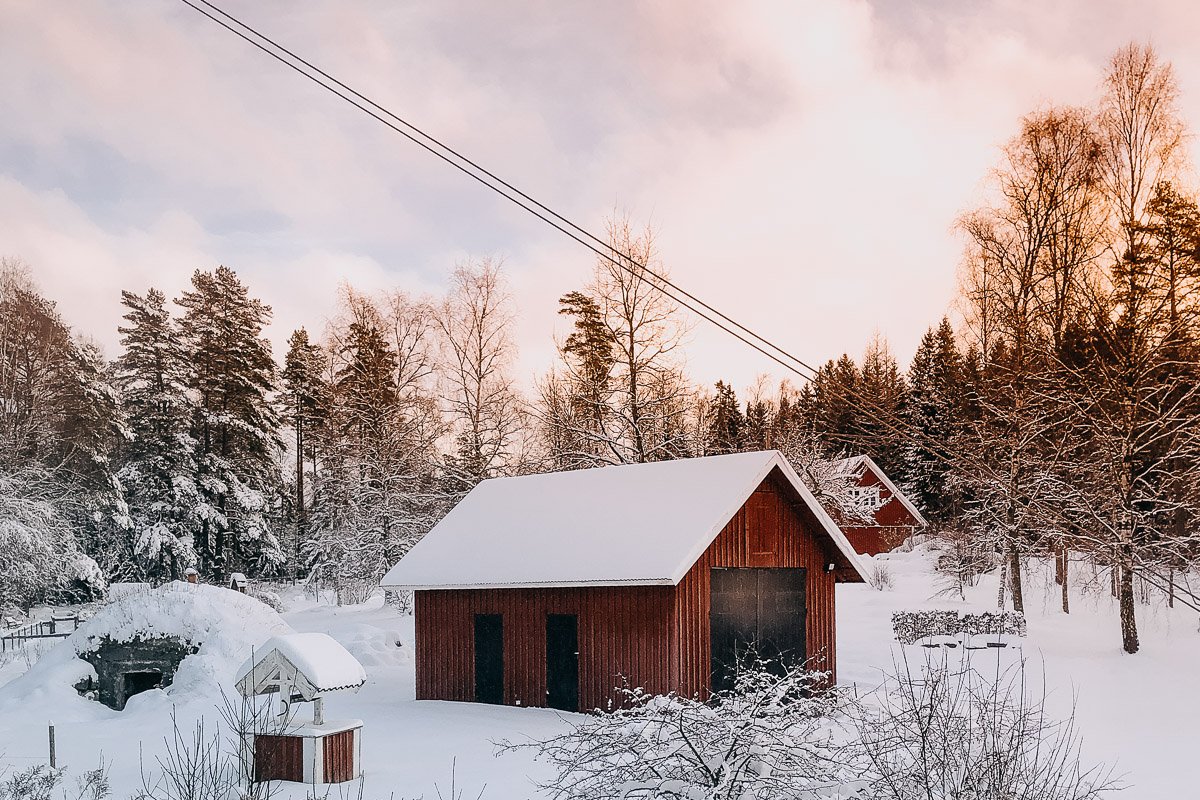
(319, 711)
(53, 755)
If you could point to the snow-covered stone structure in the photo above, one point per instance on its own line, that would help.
(143, 639)
(304, 667)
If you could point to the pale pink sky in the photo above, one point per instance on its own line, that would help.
(803, 162)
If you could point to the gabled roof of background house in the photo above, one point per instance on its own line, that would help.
(854, 466)
(635, 524)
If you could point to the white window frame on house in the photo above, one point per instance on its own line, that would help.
(865, 498)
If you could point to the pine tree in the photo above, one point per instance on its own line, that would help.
(157, 466)
(726, 422)
(935, 407)
(884, 393)
(303, 403)
(231, 376)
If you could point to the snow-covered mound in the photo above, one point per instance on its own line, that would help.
(225, 625)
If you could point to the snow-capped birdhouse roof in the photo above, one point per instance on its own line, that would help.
(312, 664)
(636, 524)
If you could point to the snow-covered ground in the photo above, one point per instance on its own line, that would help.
(1137, 712)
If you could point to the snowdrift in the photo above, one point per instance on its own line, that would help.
(225, 625)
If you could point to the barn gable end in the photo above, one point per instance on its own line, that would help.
(773, 529)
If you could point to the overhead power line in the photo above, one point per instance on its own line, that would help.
(488, 179)
(582, 236)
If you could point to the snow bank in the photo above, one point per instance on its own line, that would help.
(225, 625)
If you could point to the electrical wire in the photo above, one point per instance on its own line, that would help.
(604, 250)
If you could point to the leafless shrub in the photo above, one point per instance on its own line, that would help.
(42, 782)
(194, 766)
(881, 577)
(947, 730)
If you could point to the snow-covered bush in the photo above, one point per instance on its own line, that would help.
(268, 598)
(771, 736)
(42, 559)
(910, 627)
(947, 731)
(1011, 623)
(41, 782)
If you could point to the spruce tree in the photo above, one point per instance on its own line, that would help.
(726, 424)
(884, 394)
(231, 375)
(935, 406)
(157, 466)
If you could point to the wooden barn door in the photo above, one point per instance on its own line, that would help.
(562, 662)
(489, 658)
(759, 608)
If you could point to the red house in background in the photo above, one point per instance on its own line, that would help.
(874, 497)
(550, 590)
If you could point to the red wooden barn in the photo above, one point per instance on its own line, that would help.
(893, 517)
(550, 590)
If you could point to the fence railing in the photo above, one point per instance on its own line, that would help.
(57, 627)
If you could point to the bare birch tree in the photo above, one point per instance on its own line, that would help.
(486, 413)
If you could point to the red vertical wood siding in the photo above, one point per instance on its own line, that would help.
(655, 637)
(278, 758)
(339, 756)
(873, 540)
(772, 514)
(624, 634)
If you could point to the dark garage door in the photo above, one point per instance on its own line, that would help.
(756, 608)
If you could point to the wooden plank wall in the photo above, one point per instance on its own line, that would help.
(657, 637)
(623, 631)
(339, 756)
(773, 529)
(876, 539)
(278, 758)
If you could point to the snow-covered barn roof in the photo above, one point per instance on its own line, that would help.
(314, 663)
(854, 466)
(635, 524)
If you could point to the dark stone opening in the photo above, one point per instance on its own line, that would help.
(138, 682)
(124, 669)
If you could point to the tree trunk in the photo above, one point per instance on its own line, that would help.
(1058, 564)
(1066, 579)
(1129, 635)
(1014, 576)
(1003, 581)
(300, 512)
